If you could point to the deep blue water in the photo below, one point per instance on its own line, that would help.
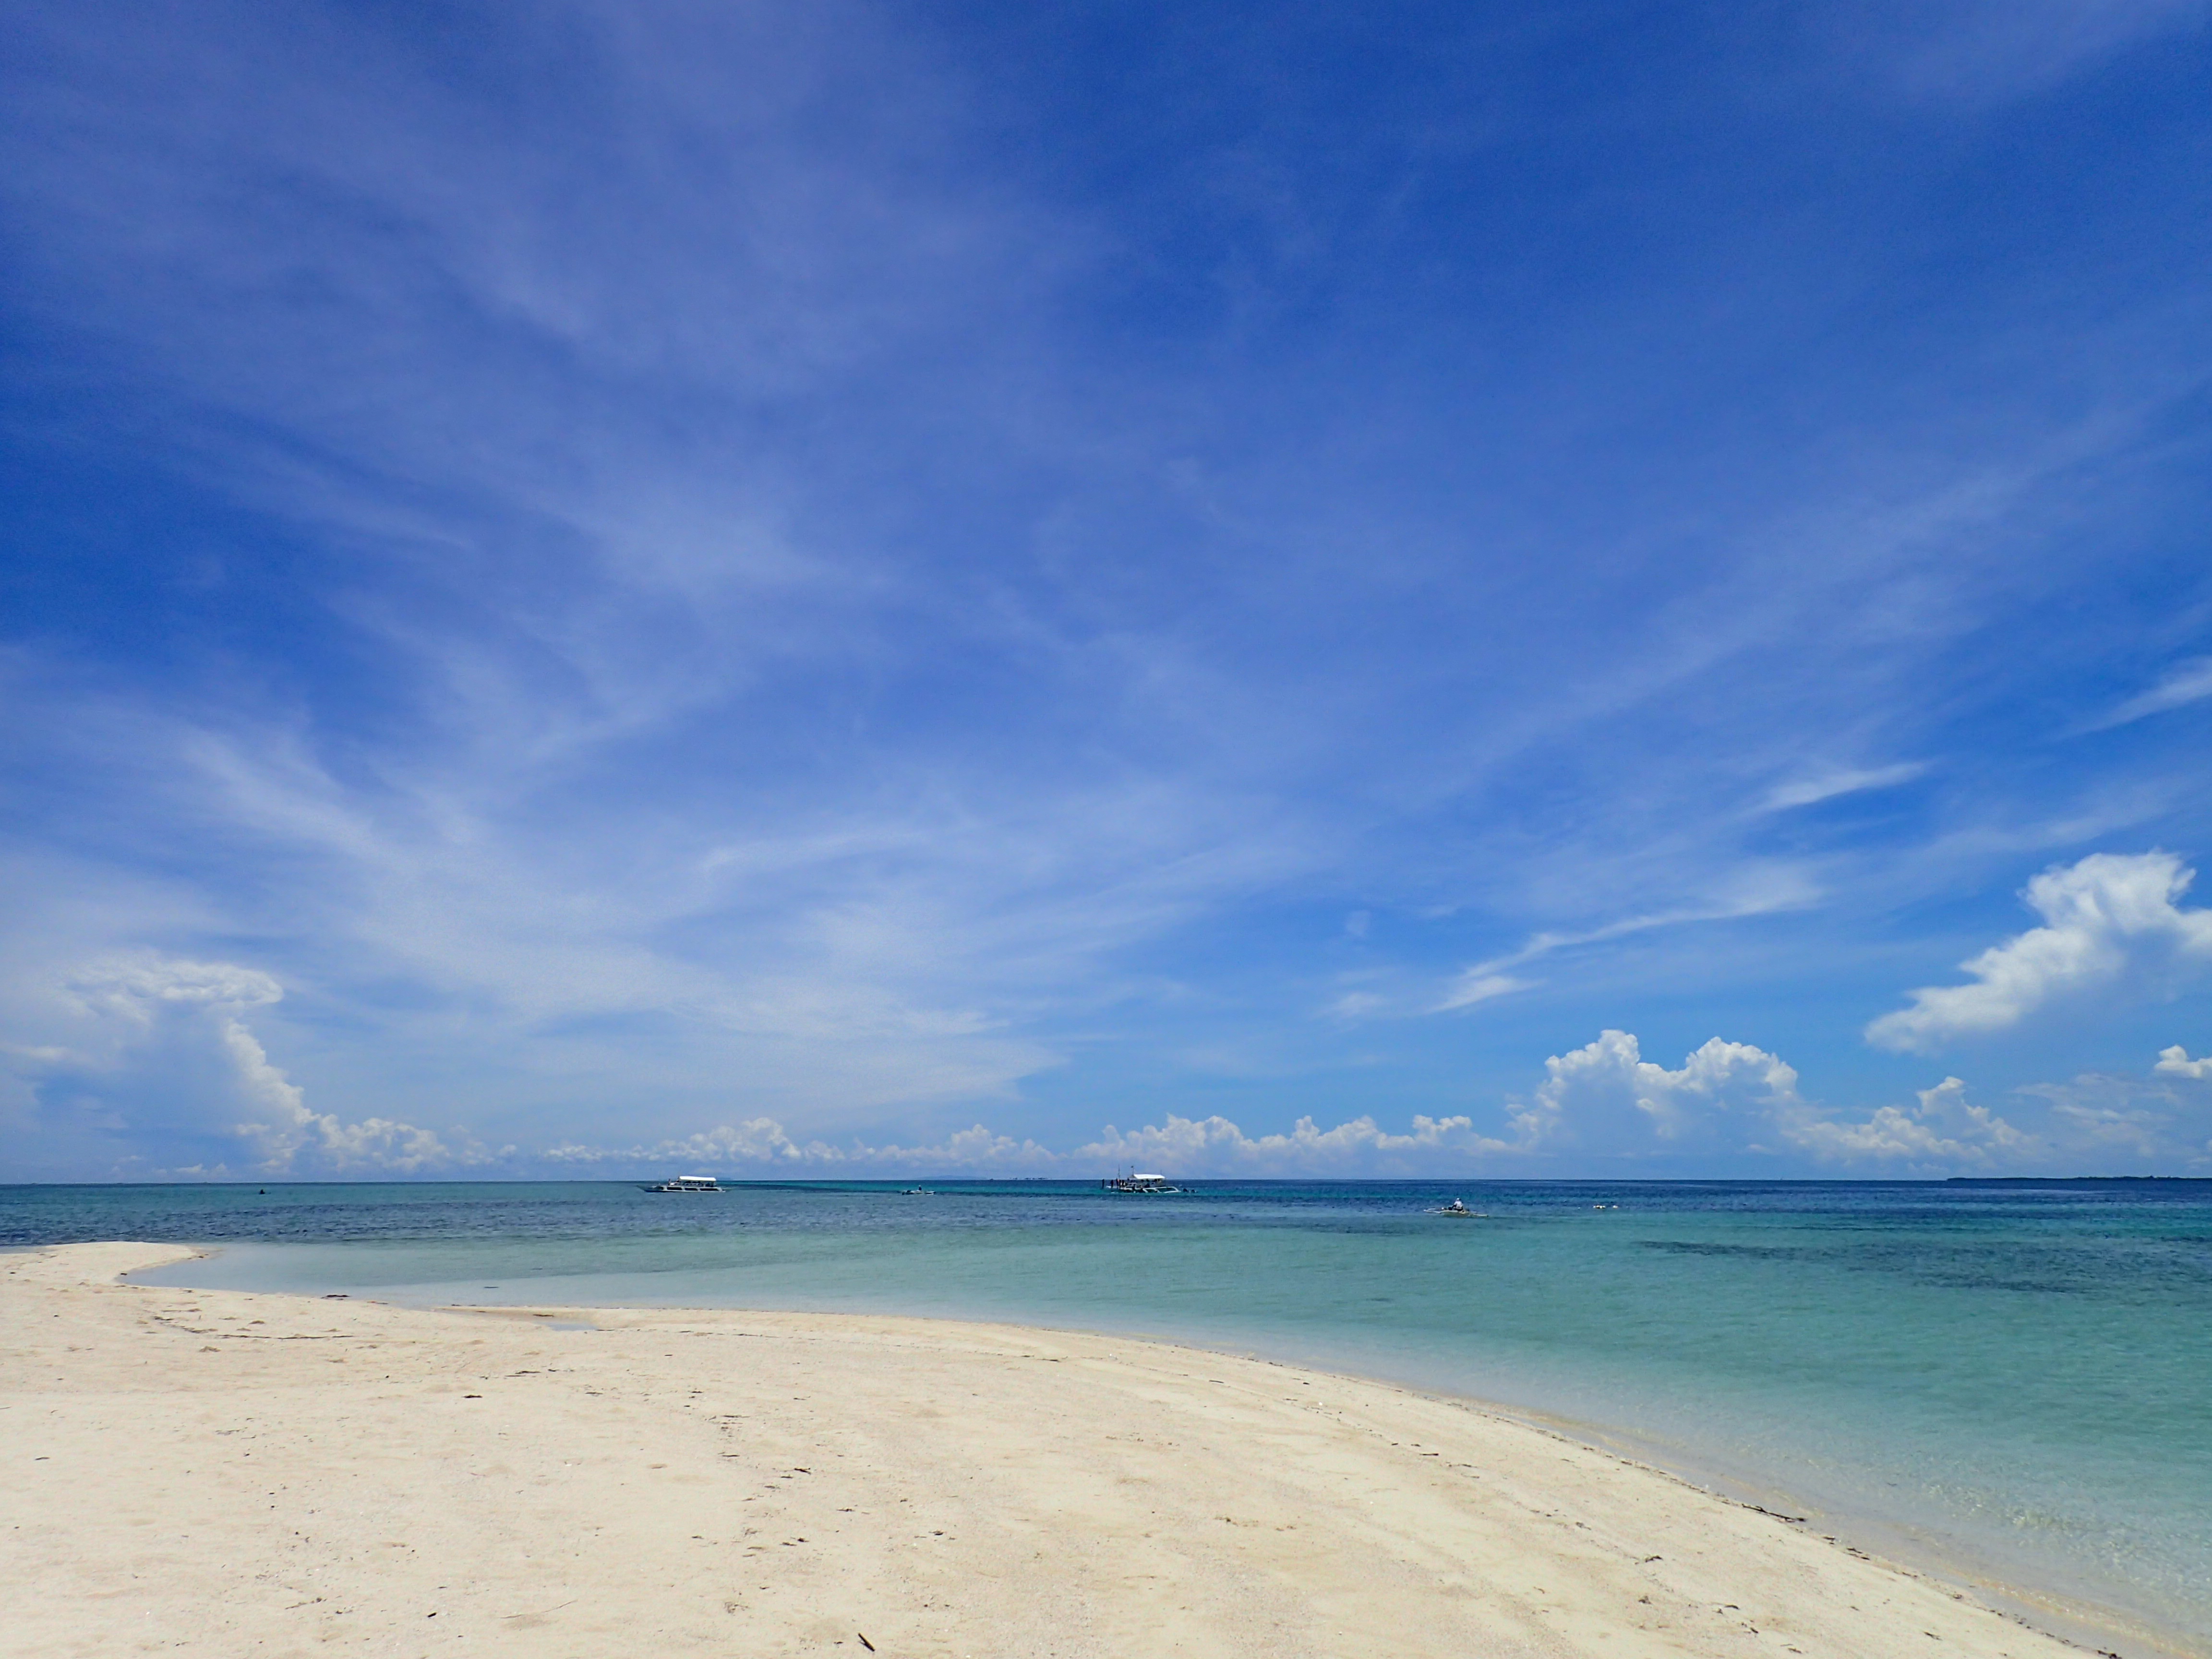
(2017, 1379)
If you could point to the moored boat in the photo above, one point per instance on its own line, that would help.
(687, 1184)
(1136, 1182)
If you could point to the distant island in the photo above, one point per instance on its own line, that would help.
(2075, 1180)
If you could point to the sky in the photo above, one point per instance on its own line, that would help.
(845, 588)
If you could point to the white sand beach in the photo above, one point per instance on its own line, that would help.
(229, 1473)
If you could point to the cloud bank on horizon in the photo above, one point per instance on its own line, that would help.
(176, 1032)
(852, 588)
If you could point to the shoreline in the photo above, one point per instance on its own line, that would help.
(1377, 1517)
(2074, 1614)
(1904, 1546)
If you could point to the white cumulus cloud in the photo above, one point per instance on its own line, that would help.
(285, 1134)
(1607, 1097)
(2108, 916)
(1602, 1106)
(2175, 1062)
(1187, 1146)
(1944, 1130)
(170, 1035)
(2107, 1123)
(1216, 1145)
(762, 1146)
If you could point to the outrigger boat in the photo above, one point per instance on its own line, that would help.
(687, 1184)
(1136, 1182)
(1458, 1206)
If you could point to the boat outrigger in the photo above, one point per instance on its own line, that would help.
(687, 1184)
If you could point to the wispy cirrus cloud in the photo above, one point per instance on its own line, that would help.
(1984, 51)
(1816, 787)
(756, 571)
(1757, 891)
(2183, 683)
(1476, 986)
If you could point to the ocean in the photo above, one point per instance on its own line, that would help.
(2010, 1382)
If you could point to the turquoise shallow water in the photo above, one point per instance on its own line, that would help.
(2016, 1379)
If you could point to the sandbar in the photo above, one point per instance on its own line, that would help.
(226, 1474)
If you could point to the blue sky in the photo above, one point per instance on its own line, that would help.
(842, 588)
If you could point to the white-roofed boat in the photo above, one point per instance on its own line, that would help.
(687, 1184)
(1136, 1181)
